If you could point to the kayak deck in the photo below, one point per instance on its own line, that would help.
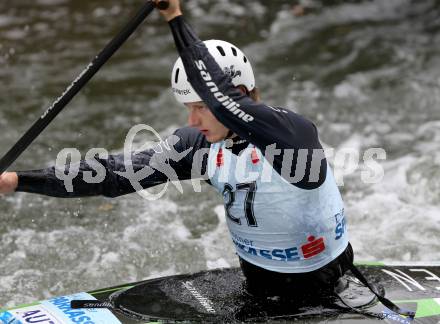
(220, 296)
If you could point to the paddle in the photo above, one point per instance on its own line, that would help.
(84, 77)
(78, 304)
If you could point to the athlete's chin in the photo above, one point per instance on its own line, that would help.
(214, 138)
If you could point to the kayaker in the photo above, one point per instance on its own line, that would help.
(288, 228)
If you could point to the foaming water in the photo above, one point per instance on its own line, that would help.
(366, 72)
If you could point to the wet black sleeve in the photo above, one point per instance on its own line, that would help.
(171, 159)
(260, 124)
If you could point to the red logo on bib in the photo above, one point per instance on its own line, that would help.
(254, 156)
(220, 160)
(314, 247)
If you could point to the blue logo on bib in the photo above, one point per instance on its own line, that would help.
(341, 226)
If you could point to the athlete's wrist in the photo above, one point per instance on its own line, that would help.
(170, 17)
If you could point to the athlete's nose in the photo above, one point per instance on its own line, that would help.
(193, 118)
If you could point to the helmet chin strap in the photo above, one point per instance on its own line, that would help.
(229, 135)
(233, 139)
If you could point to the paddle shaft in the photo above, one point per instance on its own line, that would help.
(71, 91)
(79, 304)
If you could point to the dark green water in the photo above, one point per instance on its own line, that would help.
(366, 72)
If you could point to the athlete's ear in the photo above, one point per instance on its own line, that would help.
(243, 90)
(254, 94)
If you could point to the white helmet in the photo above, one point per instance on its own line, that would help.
(230, 59)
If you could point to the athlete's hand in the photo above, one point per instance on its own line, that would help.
(172, 11)
(8, 182)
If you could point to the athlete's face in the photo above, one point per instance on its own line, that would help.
(201, 117)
